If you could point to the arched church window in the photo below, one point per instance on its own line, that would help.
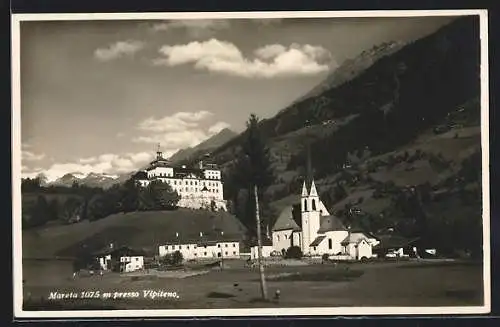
(314, 205)
(305, 204)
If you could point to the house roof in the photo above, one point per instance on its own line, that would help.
(265, 242)
(285, 220)
(394, 241)
(330, 224)
(318, 240)
(354, 238)
(120, 252)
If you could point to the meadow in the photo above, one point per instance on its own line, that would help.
(378, 284)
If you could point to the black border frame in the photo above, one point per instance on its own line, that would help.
(127, 6)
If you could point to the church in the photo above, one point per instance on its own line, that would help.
(311, 227)
(199, 187)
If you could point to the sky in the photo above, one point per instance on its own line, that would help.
(98, 96)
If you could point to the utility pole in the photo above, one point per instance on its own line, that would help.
(222, 251)
(259, 243)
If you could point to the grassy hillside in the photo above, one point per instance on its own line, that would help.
(144, 230)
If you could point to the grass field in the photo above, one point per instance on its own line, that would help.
(146, 230)
(345, 285)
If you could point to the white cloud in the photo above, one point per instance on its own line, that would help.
(177, 131)
(173, 141)
(118, 49)
(217, 127)
(107, 163)
(88, 160)
(268, 62)
(177, 122)
(31, 156)
(196, 28)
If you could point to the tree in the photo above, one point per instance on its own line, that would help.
(177, 258)
(53, 210)
(253, 167)
(30, 185)
(130, 196)
(158, 196)
(293, 252)
(39, 213)
(254, 173)
(72, 210)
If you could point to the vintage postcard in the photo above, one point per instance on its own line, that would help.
(250, 164)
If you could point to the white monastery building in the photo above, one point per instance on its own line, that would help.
(199, 187)
(317, 232)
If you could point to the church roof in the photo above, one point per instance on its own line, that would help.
(285, 220)
(330, 224)
(318, 240)
(354, 238)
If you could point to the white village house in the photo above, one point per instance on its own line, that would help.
(317, 232)
(267, 250)
(206, 247)
(127, 259)
(197, 187)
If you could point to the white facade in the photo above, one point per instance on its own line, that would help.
(282, 240)
(331, 244)
(192, 251)
(197, 188)
(266, 251)
(103, 261)
(132, 263)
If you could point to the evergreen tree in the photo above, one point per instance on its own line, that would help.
(72, 210)
(53, 210)
(158, 196)
(40, 212)
(253, 167)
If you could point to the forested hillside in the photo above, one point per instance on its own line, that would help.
(401, 141)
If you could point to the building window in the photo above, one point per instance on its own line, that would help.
(234, 245)
(187, 247)
(330, 245)
(204, 253)
(136, 259)
(218, 245)
(305, 204)
(226, 245)
(226, 252)
(234, 252)
(313, 205)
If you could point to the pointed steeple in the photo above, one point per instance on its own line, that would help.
(309, 173)
(305, 193)
(313, 189)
